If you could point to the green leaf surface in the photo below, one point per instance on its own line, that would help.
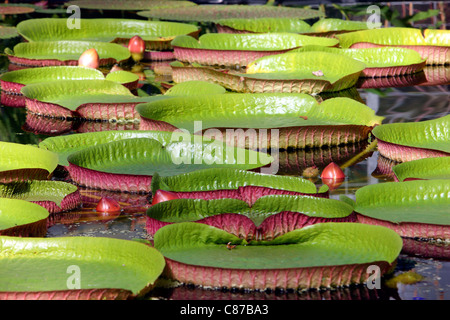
(37, 190)
(264, 110)
(16, 212)
(15, 156)
(71, 94)
(229, 179)
(42, 264)
(429, 134)
(333, 24)
(395, 36)
(129, 5)
(68, 50)
(265, 25)
(184, 210)
(301, 65)
(323, 244)
(45, 74)
(102, 30)
(212, 13)
(420, 201)
(195, 87)
(427, 168)
(181, 146)
(143, 156)
(251, 42)
(373, 57)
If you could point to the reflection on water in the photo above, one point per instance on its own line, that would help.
(398, 100)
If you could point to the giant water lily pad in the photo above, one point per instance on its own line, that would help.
(220, 183)
(47, 268)
(380, 62)
(414, 140)
(262, 25)
(333, 26)
(412, 208)
(295, 260)
(129, 5)
(22, 218)
(56, 53)
(296, 117)
(88, 99)
(156, 34)
(12, 82)
(55, 196)
(267, 218)
(8, 32)
(20, 162)
(426, 168)
(432, 45)
(212, 13)
(129, 164)
(305, 72)
(239, 49)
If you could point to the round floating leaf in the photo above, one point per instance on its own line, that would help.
(430, 134)
(265, 25)
(212, 13)
(250, 42)
(229, 179)
(129, 5)
(185, 210)
(45, 264)
(15, 8)
(143, 156)
(66, 51)
(323, 244)
(374, 57)
(427, 168)
(15, 156)
(265, 110)
(420, 201)
(16, 213)
(104, 30)
(71, 94)
(191, 88)
(394, 37)
(331, 24)
(8, 32)
(38, 190)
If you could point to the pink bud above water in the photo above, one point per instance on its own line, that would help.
(89, 59)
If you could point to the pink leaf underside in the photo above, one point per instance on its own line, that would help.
(252, 279)
(23, 175)
(241, 226)
(401, 153)
(80, 294)
(34, 229)
(411, 229)
(426, 249)
(26, 62)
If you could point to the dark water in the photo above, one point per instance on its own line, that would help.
(410, 101)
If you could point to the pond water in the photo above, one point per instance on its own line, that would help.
(399, 100)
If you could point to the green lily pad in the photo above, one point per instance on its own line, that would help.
(71, 94)
(323, 244)
(265, 25)
(8, 32)
(427, 168)
(190, 210)
(65, 51)
(37, 190)
(212, 13)
(17, 157)
(229, 179)
(332, 24)
(128, 5)
(157, 34)
(191, 88)
(250, 42)
(420, 201)
(46, 264)
(15, 213)
(429, 134)
(144, 156)
(258, 111)
(394, 37)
